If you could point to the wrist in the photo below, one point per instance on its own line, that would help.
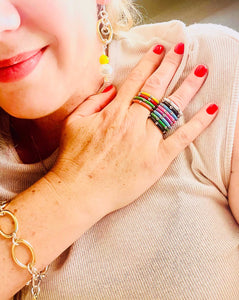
(76, 192)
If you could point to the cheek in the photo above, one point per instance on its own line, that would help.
(69, 28)
(59, 20)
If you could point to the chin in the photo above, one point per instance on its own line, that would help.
(26, 106)
(29, 112)
(26, 115)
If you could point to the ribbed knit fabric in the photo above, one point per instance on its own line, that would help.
(179, 240)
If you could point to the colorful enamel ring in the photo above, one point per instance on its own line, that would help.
(171, 105)
(146, 100)
(165, 115)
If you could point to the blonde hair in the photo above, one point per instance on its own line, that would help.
(123, 15)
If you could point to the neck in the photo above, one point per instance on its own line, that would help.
(43, 135)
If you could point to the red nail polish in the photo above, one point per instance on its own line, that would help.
(212, 109)
(179, 48)
(200, 71)
(107, 89)
(158, 49)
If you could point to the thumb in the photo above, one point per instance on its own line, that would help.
(95, 103)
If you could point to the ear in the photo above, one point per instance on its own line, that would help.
(103, 2)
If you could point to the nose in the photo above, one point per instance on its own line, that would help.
(9, 16)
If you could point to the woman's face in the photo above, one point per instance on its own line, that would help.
(68, 66)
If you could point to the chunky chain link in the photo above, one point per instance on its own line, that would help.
(104, 26)
(17, 242)
(36, 280)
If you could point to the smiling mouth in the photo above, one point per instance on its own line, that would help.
(20, 66)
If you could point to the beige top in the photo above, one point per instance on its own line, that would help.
(179, 240)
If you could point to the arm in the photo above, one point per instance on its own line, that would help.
(99, 169)
(49, 222)
(48, 218)
(233, 192)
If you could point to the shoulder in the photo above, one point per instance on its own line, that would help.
(211, 44)
(140, 38)
(217, 44)
(218, 47)
(170, 30)
(206, 31)
(145, 35)
(162, 30)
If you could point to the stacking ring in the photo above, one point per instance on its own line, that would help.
(146, 100)
(164, 114)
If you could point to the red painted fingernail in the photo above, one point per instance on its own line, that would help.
(212, 109)
(179, 48)
(200, 71)
(107, 89)
(158, 49)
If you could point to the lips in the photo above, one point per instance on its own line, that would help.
(17, 59)
(19, 66)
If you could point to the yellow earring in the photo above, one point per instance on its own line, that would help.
(105, 32)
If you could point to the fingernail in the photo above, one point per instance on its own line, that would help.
(200, 71)
(212, 109)
(179, 48)
(107, 89)
(158, 49)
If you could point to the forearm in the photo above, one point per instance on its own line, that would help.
(49, 221)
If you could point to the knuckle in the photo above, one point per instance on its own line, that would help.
(171, 61)
(108, 114)
(154, 81)
(178, 99)
(116, 132)
(198, 124)
(191, 86)
(192, 83)
(113, 123)
(183, 136)
(124, 128)
(127, 125)
(152, 60)
(91, 101)
(136, 76)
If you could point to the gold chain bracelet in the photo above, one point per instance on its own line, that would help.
(36, 275)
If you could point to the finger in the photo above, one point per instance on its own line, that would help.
(137, 77)
(187, 133)
(158, 82)
(94, 103)
(185, 93)
(191, 85)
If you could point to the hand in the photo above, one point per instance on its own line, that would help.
(116, 154)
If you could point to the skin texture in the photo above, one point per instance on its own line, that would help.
(97, 170)
(68, 72)
(73, 50)
(97, 150)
